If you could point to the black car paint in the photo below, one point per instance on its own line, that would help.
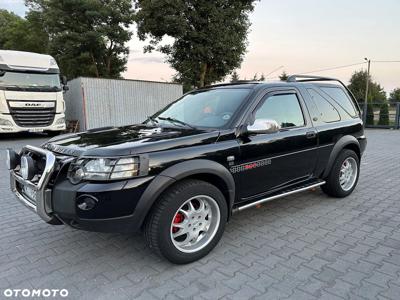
(288, 157)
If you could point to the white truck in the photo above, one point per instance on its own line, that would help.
(31, 93)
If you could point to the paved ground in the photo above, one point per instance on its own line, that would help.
(306, 246)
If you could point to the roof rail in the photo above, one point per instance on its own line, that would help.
(306, 78)
(310, 78)
(233, 83)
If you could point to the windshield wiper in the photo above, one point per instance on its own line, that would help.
(44, 87)
(173, 120)
(152, 119)
(12, 86)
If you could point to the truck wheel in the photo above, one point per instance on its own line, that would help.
(53, 133)
(344, 174)
(187, 222)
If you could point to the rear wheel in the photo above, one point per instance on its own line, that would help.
(187, 222)
(344, 174)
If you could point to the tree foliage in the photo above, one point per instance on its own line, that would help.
(384, 114)
(209, 37)
(395, 95)
(22, 34)
(87, 37)
(376, 93)
(283, 76)
(235, 76)
(370, 114)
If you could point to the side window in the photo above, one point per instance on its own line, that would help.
(341, 98)
(283, 108)
(327, 113)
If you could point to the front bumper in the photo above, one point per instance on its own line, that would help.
(115, 211)
(14, 128)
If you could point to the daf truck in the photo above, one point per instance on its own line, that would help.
(31, 93)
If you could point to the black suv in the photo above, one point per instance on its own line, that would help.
(180, 175)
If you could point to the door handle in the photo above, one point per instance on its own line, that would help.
(311, 135)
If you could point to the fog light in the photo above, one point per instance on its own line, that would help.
(86, 202)
(13, 159)
(28, 167)
(4, 122)
(60, 121)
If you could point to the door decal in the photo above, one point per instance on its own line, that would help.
(250, 166)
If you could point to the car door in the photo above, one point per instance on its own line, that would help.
(270, 161)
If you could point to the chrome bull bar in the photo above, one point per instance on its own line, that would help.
(43, 206)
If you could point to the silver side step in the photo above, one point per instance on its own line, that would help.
(302, 189)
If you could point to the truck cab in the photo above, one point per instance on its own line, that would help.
(31, 93)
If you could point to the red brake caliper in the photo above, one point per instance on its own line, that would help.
(178, 219)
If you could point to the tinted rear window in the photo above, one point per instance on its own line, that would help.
(341, 98)
(327, 113)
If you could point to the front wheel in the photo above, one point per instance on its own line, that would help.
(343, 176)
(187, 222)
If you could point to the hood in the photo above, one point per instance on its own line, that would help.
(127, 140)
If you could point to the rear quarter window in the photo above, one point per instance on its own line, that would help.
(327, 113)
(340, 97)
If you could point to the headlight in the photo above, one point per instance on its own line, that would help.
(101, 169)
(4, 122)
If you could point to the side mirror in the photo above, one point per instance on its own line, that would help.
(263, 126)
(65, 88)
(63, 79)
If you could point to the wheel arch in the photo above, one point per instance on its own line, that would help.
(345, 142)
(202, 169)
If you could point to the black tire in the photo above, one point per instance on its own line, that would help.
(157, 228)
(53, 133)
(332, 186)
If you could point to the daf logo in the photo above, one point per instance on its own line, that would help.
(33, 104)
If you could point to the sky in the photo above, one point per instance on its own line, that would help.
(299, 37)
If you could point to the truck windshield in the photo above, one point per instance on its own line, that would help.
(203, 108)
(21, 80)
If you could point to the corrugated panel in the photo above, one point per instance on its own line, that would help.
(112, 102)
(73, 102)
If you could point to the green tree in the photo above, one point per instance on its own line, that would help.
(187, 87)
(22, 34)
(283, 76)
(235, 76)
(209, 37)
(395, 95)
(370, 114)
(384, 114)
(376, 93)
(88, 37)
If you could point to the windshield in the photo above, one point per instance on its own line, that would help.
(205, 108)
(29, 80)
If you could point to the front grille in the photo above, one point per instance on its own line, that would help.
(33, 116)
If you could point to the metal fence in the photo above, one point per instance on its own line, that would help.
(98, 102)
(382, 115)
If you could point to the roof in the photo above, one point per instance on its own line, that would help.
(21, 60)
